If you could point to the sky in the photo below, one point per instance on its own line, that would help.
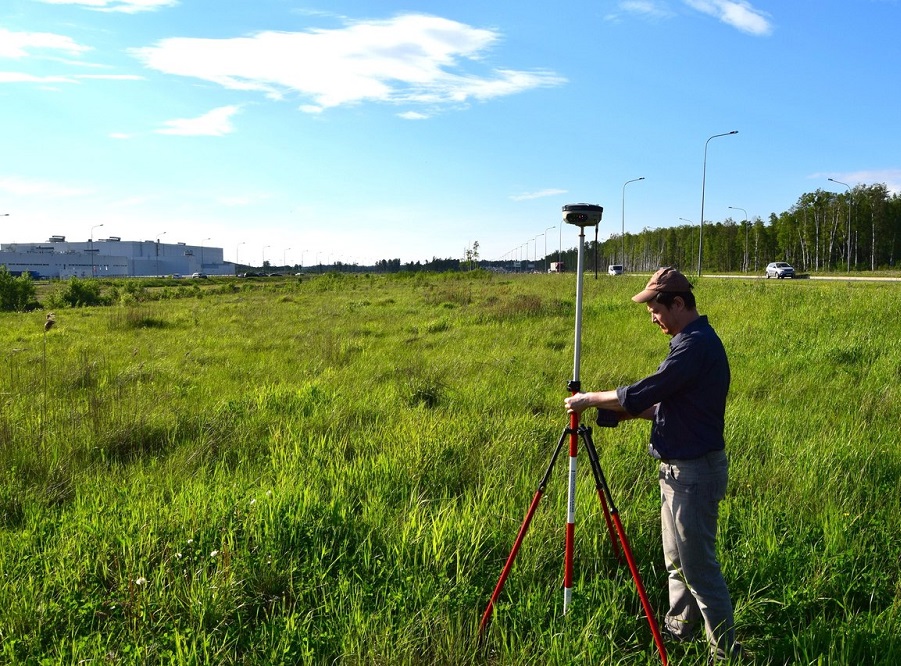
(305, 132)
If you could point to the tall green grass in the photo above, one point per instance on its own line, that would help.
(334, 470)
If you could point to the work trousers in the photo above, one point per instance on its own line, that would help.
(690, 492)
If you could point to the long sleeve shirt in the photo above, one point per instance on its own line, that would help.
(689, 389)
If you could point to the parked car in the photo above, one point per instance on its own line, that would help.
(198, 275)
(615, 269)
(780, 269)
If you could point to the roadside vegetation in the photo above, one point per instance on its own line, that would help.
(333, 470)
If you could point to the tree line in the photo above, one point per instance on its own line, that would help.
(824, 231)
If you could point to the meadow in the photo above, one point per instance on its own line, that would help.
(332, 470)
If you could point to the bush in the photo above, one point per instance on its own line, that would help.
(78, 293)
(16, 293)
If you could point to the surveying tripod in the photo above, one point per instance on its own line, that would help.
(581, 215)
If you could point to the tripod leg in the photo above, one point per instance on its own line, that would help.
(604, 490)
(600, 484)
(486, 617)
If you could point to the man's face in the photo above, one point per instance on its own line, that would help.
(667, 318)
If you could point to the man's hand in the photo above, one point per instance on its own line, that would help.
(577, 403)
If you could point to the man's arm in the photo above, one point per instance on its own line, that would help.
(579, 402)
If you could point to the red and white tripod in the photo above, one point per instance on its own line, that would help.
(580, 215)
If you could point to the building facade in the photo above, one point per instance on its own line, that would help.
(111, 257)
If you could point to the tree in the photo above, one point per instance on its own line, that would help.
(472, 255)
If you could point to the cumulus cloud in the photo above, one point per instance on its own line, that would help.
(412, 59)
(213, 123)
(123, 6)
(736, 13)
(21, 44)
(526, 196)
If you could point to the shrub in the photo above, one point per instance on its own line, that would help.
(78, 293)
(16, 293)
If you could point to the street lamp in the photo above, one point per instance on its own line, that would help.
(92, 248)
(264, 256)
(284, 261)
(162, 233)
(622, 238)
(201, 252)
(237, 255)
(745, 263)
(703, 187)
(545, 246)
(301, 259)
(849, 218)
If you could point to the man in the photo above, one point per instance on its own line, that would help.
(686, 400)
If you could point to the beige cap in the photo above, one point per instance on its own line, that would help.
(665, 279)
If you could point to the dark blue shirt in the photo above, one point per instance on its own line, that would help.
(690, 389)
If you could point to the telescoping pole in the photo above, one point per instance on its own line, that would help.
(574, 387)
(580, 215)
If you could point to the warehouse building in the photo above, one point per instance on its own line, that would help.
(111, 257)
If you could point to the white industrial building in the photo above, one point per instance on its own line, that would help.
(111, 257)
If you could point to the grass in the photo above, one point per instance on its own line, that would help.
(334, 470)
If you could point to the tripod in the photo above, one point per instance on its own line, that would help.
(581, 215)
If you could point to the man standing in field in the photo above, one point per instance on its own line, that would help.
(686, 400)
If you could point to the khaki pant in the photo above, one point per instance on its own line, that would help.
(691, 491)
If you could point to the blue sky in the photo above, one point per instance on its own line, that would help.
(347, 131)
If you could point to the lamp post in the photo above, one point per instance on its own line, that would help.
(237, 248)
(545, 247)
(622, 238)
(745, 262)
(263, 266)
(92, 248)
(849, 218)
(301, 259)
(162, 233)
(703, 187)
(201, 252)
(284, 253)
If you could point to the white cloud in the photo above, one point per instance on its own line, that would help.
(413, 115)
(19, 77)
(737, 13)
(213, 123)
(647, 8)
(526, 196)
(891, 178)
(123, 6)
(30, 188)
(22, 44)
(410, 59)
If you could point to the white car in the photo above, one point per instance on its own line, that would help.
(615, 269)
(780, 269)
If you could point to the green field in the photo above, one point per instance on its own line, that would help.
(333, 471)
